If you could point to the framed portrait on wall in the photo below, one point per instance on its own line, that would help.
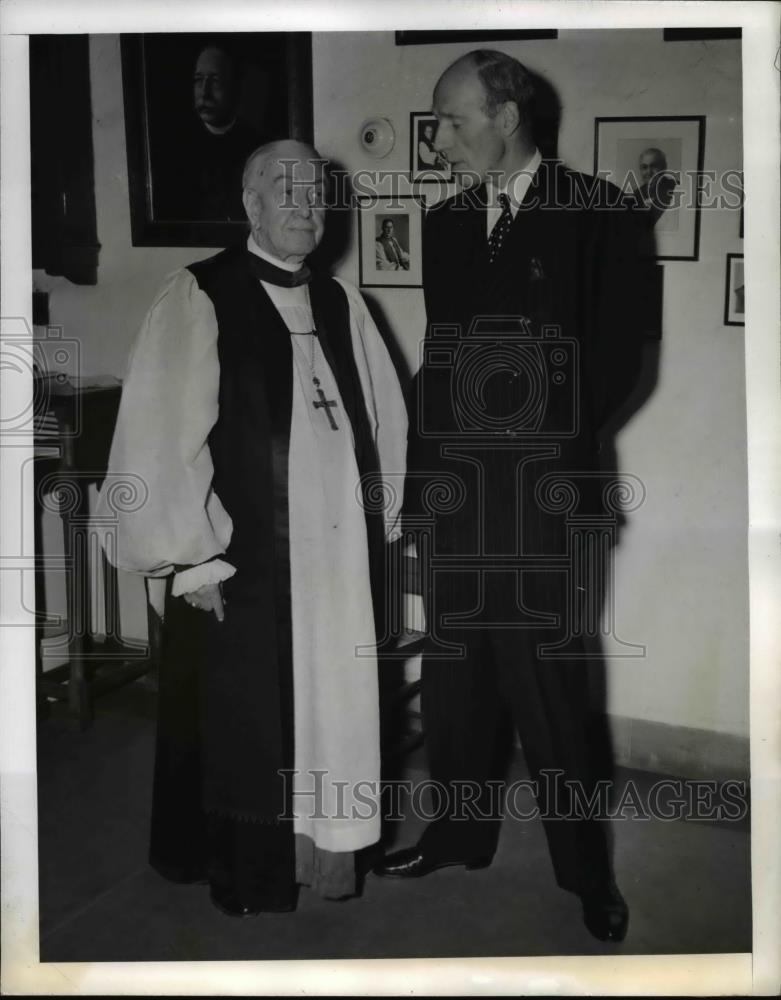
(425, 163)
(196, 106)
(390, 240)
(658, 161)
(734, 291)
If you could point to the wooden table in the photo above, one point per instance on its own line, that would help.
(70, 459)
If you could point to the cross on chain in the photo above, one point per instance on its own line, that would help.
(500, 229)
(324, 403)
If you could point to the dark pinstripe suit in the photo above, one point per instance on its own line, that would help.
(501, 412)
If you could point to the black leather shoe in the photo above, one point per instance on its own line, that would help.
(410, 862)
(605, 912)
(230, 905)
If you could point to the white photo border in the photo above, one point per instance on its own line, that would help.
(368, 211)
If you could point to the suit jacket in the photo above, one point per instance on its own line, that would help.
(524, 361)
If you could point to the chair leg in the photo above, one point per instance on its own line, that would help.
(78, 597)
(41, 701)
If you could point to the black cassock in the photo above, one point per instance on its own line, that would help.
(222, 807)
(525, 358)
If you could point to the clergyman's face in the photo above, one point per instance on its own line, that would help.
(428, 132)
(650, 165)
(288, 215)
(387, 229)
(468, 137)
(215, 88)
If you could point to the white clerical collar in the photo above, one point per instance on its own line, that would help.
(284, 264)
(219, 129)
(519, 183)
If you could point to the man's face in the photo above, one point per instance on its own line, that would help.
(650, 164)
(215, 88)
(287, 211)
(470, 139)
(387, 229)
(428, 132)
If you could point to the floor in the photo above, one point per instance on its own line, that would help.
(687, 883)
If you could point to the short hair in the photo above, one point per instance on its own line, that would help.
(384, 221)
(257, 158)
(253, 162)
(657, 155)
(504, 79)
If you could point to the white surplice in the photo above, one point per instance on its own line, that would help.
(169, 405)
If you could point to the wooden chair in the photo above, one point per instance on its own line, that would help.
(402, 722)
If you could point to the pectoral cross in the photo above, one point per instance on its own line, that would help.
(325, 404)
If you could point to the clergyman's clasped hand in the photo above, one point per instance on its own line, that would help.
(207, 598)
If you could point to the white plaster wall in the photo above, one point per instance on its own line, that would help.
(681, 569)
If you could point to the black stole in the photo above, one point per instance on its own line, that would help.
(247, 705)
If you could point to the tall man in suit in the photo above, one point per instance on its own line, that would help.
(530, 346)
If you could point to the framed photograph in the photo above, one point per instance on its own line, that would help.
(390, 239)
(196, 106)
(659, 162)
(734, 292)
(425, 163)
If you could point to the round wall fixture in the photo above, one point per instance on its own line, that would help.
(377, 137)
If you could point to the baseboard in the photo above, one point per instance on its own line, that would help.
(683, 751)
(680, 750)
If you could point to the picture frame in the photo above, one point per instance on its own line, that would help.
(701, 34)
(422, 129)
(742, 203)
(173, 116)
(378, 268)
(657, 161)
(734, 291)
(485, 35)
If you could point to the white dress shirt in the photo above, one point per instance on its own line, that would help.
(515, 191)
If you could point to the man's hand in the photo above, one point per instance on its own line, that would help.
(207, 598)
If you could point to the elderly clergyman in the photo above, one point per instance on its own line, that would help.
(260, 402)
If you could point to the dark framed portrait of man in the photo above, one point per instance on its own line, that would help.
(196, 106)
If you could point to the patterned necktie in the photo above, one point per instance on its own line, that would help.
(500, 230)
